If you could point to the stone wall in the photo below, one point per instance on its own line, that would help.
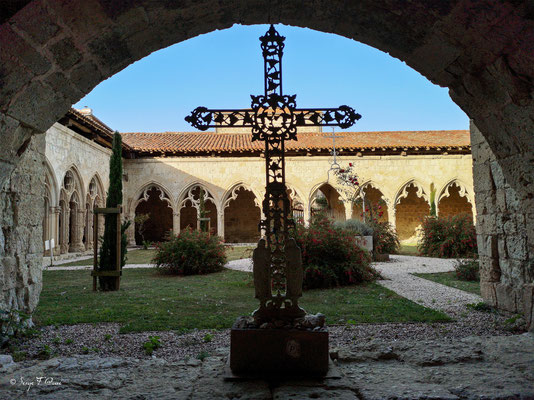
(390, 174)
(505, 235)
(21, 215)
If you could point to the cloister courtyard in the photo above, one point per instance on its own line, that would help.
(266, 250)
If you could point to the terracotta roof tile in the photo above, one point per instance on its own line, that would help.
(201, 142)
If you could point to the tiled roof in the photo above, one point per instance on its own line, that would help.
(95, 124)
(202, 142)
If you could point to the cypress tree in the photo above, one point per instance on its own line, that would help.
(108, 251)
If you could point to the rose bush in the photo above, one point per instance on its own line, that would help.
(449, 237)
(330, 256)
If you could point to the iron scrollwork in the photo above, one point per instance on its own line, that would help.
(274, 119)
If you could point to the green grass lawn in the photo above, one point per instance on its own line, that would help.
(449, 279)
(140, 256)
(408, 250)
(149, 301)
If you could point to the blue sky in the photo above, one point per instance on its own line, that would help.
(221, 69)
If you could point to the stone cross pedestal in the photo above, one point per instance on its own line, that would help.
(279, 338)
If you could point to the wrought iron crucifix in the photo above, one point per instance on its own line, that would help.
(274, 118)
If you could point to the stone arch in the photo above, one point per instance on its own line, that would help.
(72, 211)
(77, 182)
(370, 194)
(335, 207)
(155, 201)
(460, 47)
(454, 199)
(481, 51)
(241, 209)
(76, 223)
(95, 190)
(411, 206)
(189, 207)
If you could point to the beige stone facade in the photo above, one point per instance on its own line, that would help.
(76, 175)
(403, 181)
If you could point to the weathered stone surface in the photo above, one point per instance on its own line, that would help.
(503, 232)
(489, 368)
(21, 221)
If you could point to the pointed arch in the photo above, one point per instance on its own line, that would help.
(402, 192)
(141, 195)
(241, 214)
(455, 199)
(336, 207)
(231, 194)
(77, 183)
(369, 193)
(189, 204)
(412, 205)
(463, 191)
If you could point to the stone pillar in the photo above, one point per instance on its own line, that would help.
(348, 210)
(175, 223)
(392, 214)
(220, 223)
(65, 230)
(89, 229)
(130, 232)
(77, 243)
(307, 214)
(505, 235)
(54, 231)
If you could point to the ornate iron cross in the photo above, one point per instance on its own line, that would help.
(274, 118)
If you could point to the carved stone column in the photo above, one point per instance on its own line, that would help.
(54, 228)
(307, 214)
(130, 232)
(77, 244)
(391, 214)
(220, 223)
(176, 223)
(348, 210)
(65, 230)
(89, 229)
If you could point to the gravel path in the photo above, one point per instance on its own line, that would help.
(398, 277)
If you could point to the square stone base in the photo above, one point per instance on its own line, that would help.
(279, 352)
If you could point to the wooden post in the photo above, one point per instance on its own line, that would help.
(119, 252)
(117, 273)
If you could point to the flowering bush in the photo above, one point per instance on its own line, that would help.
(331, 257)
(385, 239)
(191, 252)
(449, 237)
(467, 270)
(348, 180)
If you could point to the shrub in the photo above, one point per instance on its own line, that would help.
(467, 270)
(355, 226)
(190, 252)
(385, 239)
(330, 256)
(449, 237)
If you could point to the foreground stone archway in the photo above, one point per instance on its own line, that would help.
(54, 52)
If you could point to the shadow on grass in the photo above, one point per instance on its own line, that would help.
(148, 301)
